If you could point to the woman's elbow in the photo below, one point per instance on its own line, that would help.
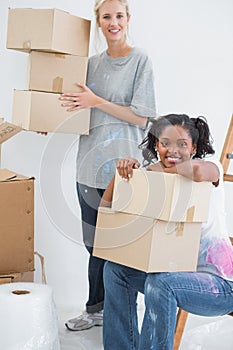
(208, 174)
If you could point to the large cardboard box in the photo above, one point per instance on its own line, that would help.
(50, 30)
(162, 196)
(17, 277)
(42, 111)
(146, 244)
(56, 72)
(16, 222)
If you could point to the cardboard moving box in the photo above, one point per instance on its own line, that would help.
(42, 111)
(146, 244)
(49, 30)
(162, 196)
(8, 130)
(16, 222)
(56, 72)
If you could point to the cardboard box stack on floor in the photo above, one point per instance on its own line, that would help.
(16, 225)
(58, 45)
(154, 224)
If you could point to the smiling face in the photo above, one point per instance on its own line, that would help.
(174, 145)
(113, 20)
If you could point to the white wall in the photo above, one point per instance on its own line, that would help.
(190, 44)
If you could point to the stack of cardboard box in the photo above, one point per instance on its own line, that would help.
(16, 220)
(154, 224)
(58, 45)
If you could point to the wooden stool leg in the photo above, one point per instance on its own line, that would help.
(180, 324)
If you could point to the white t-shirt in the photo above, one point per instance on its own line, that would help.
(216, 250)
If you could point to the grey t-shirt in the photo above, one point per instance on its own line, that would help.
(127, 81)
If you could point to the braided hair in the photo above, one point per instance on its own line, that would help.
(197, 129)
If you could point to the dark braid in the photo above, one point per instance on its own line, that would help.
(197, 128)
(204, 144)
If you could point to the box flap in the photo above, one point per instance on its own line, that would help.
(7, 175)
(8, 130)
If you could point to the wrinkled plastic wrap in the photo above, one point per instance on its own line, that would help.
(208, 333)
(28, 319)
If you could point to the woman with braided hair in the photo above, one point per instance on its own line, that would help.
(175, 144)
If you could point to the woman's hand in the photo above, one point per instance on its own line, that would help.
(125, 167)
(77, 100)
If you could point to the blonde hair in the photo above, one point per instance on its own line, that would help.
(99, 3)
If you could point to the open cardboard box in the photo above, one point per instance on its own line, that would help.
(49, 30)
(42, 111)
(16, 222)
(162, 196)
(7, 130)
(145, 243)
(56, 73)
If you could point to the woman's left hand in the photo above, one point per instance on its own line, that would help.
(77, 100)
(125, 167)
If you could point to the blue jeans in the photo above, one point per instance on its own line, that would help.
(89, 199)
(198, 293)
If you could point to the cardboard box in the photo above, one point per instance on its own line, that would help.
(42, 111)
(146, 244)
(50, 30)
(8, 130)
(168, 197)
(17, 277)
(56, 72)
(16, 222)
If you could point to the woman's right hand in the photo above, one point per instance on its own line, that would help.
(73, 101)
(125, 167)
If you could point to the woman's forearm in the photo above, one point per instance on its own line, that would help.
(196, 170)
(106, 200)
(121, 112)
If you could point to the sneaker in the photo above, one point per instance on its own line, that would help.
(85, 321)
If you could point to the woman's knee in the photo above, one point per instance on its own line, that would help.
(157, 283)
(112, 273)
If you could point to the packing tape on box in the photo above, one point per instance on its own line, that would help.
(28, 319)
(190, 214)
(58, 84)
(179, 229)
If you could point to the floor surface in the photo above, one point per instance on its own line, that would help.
(201, 333)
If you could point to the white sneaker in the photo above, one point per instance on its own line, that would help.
(85, 321)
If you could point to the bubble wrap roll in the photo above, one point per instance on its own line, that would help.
(28, 319)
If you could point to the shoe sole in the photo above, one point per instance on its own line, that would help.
(84, 328)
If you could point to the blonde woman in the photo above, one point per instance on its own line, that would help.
(120, 93)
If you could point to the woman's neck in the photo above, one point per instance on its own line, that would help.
(115, 50)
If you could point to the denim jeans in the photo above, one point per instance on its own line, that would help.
(89, 199)
(198, 293)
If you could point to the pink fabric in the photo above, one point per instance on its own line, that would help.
(221, 255)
